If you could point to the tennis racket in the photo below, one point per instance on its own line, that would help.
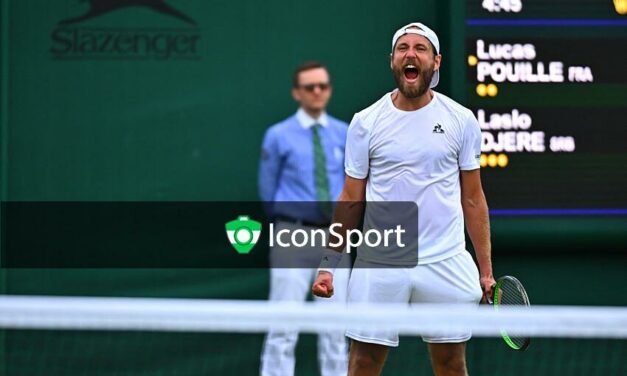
(509, 291)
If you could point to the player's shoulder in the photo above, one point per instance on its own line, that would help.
(458, 115)
(452, 107)
(368, 117)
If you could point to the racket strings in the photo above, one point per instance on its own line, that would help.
(510, 294)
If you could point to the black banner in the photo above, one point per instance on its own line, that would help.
(195, 234)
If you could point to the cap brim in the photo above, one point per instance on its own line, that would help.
(435, 79)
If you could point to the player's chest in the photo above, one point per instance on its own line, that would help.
(418, 142)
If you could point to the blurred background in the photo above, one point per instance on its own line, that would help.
(168, 100)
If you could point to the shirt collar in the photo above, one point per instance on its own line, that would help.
(307, 121)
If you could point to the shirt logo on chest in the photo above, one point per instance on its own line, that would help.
(438, 128)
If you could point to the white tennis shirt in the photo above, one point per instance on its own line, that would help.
(417, 156)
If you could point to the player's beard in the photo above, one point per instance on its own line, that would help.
(424, 82)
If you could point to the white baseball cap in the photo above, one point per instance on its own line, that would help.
(420, 29)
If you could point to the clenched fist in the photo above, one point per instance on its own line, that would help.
(323, 285)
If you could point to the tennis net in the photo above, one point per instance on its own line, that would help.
(111, 336)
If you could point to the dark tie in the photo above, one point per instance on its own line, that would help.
(320, 174)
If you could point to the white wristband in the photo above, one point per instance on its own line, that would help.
(330, 259)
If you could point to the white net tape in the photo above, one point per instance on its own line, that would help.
(194, 315)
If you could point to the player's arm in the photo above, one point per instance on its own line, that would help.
(475, 209)
(348, 212)
(349, 208)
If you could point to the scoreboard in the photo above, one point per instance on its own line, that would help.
(547, 81)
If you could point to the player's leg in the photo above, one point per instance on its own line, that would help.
(372, 284)
(366, 359)
(277, 356)
(453, 280)
(448, 359)
(332, 345)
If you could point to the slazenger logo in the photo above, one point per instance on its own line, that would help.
(72, 40)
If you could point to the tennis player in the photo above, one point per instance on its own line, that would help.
(415, 144)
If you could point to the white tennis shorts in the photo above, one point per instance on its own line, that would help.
(452, 280)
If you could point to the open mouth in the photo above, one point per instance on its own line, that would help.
(411, 72)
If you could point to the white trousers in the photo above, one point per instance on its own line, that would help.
(291, 284)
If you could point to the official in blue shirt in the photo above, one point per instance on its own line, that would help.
(287, 170)
(302, 160)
